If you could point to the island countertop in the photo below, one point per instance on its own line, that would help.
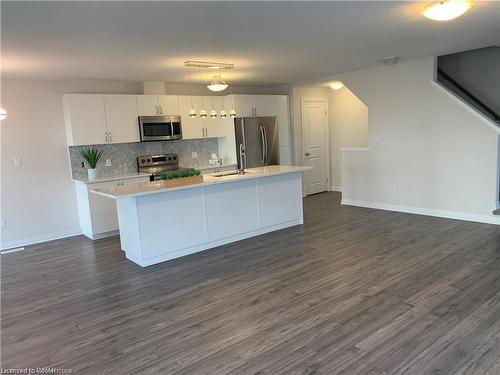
(145, 188)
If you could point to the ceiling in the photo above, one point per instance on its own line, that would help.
(271, 43)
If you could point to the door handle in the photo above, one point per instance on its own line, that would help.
(262, 144)
(265, 144)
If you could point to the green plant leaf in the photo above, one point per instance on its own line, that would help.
(92, 156)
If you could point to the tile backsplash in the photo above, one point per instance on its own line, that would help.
(124, 155)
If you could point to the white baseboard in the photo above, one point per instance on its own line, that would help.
(40, 238)
(424, 211)
(336, 188)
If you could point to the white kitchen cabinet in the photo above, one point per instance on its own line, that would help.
(214, 127)
(192, 127)
(169, 104)
(121, 118)
(147, 105)
(97, 214)
(157, 105)
(84, 119)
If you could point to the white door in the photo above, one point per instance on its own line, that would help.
(147, 105)
(169, 104)
(121, 118)
(85, 119)
(191, 126)
(315, 144)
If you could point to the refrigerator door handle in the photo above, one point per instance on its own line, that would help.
(263, 145)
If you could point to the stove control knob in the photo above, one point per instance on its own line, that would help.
(169, 158)
(143, 160)
(149, 160)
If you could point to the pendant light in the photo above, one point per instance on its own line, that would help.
(3, 114)
(213, 112)
(232, 111)
(192, 112)
(203, 113)
(217, 84)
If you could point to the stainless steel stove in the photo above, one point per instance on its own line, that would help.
(157, 165)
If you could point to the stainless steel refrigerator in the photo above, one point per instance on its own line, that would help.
(257, 142)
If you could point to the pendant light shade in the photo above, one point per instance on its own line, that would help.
(213, 113)
(192, 113)
(3, 114)
(447, 10)
(217, 84)
(223, 114)
(232, 113)
(203, 113)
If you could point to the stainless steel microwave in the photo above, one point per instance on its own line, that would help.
(160, 128)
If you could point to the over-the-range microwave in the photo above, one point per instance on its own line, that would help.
(160, 128)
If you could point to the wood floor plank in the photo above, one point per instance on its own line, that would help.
(352, 291)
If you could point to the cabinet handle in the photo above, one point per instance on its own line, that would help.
(206, 132)
(106, 136)
(110, 139)
(157, 110)
(161, 110)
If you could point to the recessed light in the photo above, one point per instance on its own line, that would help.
(390, 60)
(447, 10)
(337, 85)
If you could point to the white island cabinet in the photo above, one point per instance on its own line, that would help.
(159, 223)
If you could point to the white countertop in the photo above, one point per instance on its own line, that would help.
(126, 176)
(145, 188)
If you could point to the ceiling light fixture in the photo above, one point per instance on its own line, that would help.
(3, 114)
(390, 60)
(217, 84)
(447, 10)
(337, 85)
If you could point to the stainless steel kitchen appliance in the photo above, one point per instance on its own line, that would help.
(157, 165)
(257, 141)
(160, 128)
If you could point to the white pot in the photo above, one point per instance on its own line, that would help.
(92, 173)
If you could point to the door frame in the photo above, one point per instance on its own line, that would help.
(303, 101)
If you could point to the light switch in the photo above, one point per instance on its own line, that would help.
(18, 162)
(108, 162)
(194, 155)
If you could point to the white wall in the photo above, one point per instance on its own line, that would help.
(434, 155)
(348, 129)
(37, 200)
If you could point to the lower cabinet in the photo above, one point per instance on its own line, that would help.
(97, 214)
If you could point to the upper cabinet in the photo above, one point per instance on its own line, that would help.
(85, 119)
(157, 105)
(192, 127)
(121, 118)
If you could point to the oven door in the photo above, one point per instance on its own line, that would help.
(159, 128)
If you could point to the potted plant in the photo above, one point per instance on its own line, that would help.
(92, 156)
(184, 177)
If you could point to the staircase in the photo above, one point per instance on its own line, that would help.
(474, 76)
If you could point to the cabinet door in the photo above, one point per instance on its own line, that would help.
(283, 119)
(243, 105)
(191, 127)
(169, 104)
(215, 127)
(147, 105)
(121, 118)
(103, 213)
(84, 119)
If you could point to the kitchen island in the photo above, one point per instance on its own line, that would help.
(158, 223)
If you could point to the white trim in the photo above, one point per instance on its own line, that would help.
(327, 116)
(466, 106)
(15, 250)
(40, 238)
(424, 211)
(348, 149)
(336, 188)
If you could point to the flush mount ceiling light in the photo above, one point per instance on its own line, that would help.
(337, 85)
(3, 114)
(447, 10)
(217, 84)
(390, 60)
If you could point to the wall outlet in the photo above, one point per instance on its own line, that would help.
(194, 155)
(3, 224)
(18, 162)
(108, 162)
(83, 164)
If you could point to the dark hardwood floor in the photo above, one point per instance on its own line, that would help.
(352, 291)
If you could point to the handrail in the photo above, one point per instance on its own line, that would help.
(471, 96)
